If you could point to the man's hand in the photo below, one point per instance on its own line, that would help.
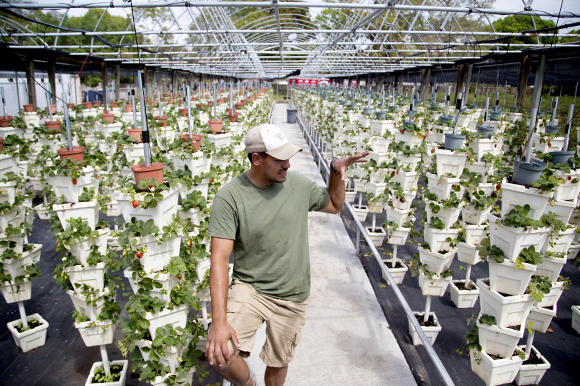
(340, 165)
(216, 348)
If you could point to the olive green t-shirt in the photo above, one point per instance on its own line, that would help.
(269, 226)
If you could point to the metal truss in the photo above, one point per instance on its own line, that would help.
(274, 39)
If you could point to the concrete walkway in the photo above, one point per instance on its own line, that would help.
(346, 339)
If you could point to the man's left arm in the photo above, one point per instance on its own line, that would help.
(336, 182)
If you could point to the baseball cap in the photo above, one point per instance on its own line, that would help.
(269, 139)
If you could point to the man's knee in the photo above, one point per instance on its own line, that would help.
(233, 355)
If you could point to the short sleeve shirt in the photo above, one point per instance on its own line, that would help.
(269, 226)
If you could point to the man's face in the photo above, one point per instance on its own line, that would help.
(273, 169)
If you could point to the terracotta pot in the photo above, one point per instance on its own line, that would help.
(135, 133)
(154, 103)
(202, 105)
(210, 103)
(70, 105)
(88, 105)
(233, 117)
(76, 154)
(1, 143)
(114, 104)
(206, 96)
(239, 105)
(171, 100)
(165, 94)
(53, 125)
(244, 101)
(221, 100)
(108, 117)
(194, 99)
(97, 103)
(4, 122)
(129, 108)
(162, 120)
(183, 112)
(52, 108)
(28, 108)
(215, 126)
(195, 140)
(251, 98)
(155, 170)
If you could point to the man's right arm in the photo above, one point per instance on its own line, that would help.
(216, 348)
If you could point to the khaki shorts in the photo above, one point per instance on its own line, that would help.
(247, 310)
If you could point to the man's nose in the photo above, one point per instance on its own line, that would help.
(286, 164)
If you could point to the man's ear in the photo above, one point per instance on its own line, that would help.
(256, 159)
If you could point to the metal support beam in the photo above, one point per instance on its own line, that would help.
(52, 80)
(117, 81)
(105, 77)
(425, 80)
(468, 81)
(31, 83)
(523, 81)
(460, 76)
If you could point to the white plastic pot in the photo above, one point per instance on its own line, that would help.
(397, 216)
(449, 161)
(409, 138)
(82, 248)
(379, 158)
(13, 217)
(500, 341)
(463, 298)
(512, 240)
(507, 310)
(398, 274)
(411, 160)
(162, 214)
(7, 164)
(481, 168)
(442, 186)
(483, 146)
(409, 197)
(576, 318)
(436, 262)
(398, 237)
(120, 382)
(507, 279)
(532, 374)
(568, 190)
(514, 194)
(407, 180)
(431, 331)
(220, 140)
(101, 332)
(376, 237)
(176, 317)
(495, 371)
(474, 234)
(157, 255)
(91, 311)
(448, 216)
(562, 209)
(93, 276)
(63, 185)
(88, 211)
(436, 238)
(467, 253)
(167, 283)
(14, 293)
(473, 216)
(541, 318)
(361, 212)
(381, 127)
(551, 298)
(433, 287)
(31, 339)
(375, 188)
(551, 267)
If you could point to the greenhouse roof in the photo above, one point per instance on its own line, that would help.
(274, 39)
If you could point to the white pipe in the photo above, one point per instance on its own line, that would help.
(189, 112)
(427, 309)
(22, 314)
(105, 359)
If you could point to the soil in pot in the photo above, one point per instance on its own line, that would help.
(100, 377)
(430, 322)
(389, 264)
(461, 286)
(515, 328)
(32, 324)
(534, 359)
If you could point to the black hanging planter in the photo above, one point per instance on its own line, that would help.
(381, 114)
(453, 141)
(560, 157)
(552, 129)
(487, 131)
(527, 173)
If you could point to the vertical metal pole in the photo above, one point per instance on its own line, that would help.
(535, 104)
(68, 129)
(427, 309)
(134, 108)
(17, 89)
(188, 97)
(145, 134)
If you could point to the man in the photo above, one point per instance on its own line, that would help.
(262, 215)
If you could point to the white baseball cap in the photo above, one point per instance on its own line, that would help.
(269, 139)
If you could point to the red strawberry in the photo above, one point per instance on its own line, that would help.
(74, 181)
(497, 187)
(56, 244)
(424, 136)
(135, 203)
(179, 276)
(139, 255)
(189, 243)
(432, 150)
(495, 145)
(569, 178)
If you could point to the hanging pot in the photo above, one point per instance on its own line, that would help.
(4, 122)
(170, 101)
(135, 133)
(194, 99)
(88, 105)
(195, 140)
(453, 141)
(445, 118)
(233, 117)
(527, 174)
(155, 170)
(221, 100)
(552, 129)
(110, 117)
(381, 115)
(28, 108)
(559, 157)
(129, 108)
(162, 120)
(487, 131)
(114, 104)
(97, 103)
(183, 112)
(70, 105)
(215, 125)
(52, 108)
(76, 154)
(1, 143)
(53, 125)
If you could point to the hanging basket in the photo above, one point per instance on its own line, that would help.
(110, 117)
(215, 125)
(155, 170)
(97, 103)
(53, 125)
(88, 105)
(195, 140)
(135, 133)
(52, 109)
(76, 154)
(487, 131)
(162, 120)
(527, 173)
(129, 108)
(183, 112)
(233, 117)
(560, 157)
(5, 122)
(454, 141)
(28, 108)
